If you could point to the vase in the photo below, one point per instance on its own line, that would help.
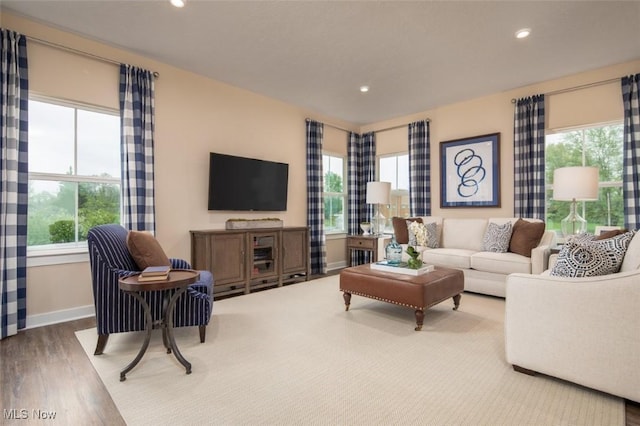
(393, 252)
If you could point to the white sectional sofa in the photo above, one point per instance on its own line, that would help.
(460, 247)
(584, 330)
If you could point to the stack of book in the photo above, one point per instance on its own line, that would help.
(154, 273)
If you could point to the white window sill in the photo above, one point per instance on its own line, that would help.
(56, 257)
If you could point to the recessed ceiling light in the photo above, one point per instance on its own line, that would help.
(523, 33)
(177, 3)
(364, 89)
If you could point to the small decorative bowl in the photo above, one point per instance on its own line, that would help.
(366, 227)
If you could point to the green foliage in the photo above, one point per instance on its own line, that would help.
(62, 231)
(51, 214)
(333, 205)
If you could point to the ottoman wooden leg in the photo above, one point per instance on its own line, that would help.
(456, 301)
(419, 319)
(347, 300)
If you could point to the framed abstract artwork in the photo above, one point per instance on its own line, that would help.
(470, 172)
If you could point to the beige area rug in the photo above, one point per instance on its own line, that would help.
(292, 355)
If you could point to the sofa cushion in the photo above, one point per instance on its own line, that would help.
(463, 233)
(449, 257)
(400, 228)
(525, 236)
(588, 258)
(146, 250)
(496, 237)
(501, 263)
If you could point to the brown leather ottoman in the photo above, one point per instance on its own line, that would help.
(417, 292)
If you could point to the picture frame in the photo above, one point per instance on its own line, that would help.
(470, 172)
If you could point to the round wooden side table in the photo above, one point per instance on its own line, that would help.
(179, 280)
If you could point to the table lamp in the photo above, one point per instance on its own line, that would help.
(378, 193)
(575, 184)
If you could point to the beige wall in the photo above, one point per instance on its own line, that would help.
(196, 115)
(494, 114)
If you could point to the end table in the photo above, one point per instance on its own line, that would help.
(371, 243)
(179, 280)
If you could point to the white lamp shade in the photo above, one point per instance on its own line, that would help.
(575, 183)
(378, 192)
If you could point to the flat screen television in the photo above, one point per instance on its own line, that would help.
(247, 184)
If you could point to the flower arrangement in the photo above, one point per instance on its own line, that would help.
(420, 231)
(417, 237)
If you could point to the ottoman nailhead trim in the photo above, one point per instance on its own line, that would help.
(383, 300)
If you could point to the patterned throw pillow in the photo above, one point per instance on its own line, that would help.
(582, 257)
(497, 237)
(432, 235)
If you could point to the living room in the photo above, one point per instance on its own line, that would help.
(196, 115)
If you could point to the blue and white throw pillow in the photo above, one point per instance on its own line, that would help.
(432, 235)
(497, 237)
(582, 257)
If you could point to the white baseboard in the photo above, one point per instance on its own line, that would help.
(40, 320)
(336, 265)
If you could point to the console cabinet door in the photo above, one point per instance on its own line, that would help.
(228, 254)
(294, 251)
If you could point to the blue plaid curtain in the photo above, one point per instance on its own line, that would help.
(14, 191)
(631, 150)
(528, 153)
(354, 188)
(137, 122)
(364, 154)
(361, 168)
(419, 169)
(315, 203)
(368, 172)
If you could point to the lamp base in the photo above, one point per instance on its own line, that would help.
(573, 224)
(378, 223)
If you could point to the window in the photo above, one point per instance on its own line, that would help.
(74, 172)
(334, 195)
(395, 169)
(590, 146)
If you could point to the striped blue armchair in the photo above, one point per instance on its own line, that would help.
(118, 312)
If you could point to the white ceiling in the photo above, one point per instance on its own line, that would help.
(316, 54)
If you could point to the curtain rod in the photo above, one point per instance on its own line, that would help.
(79, 52)
(379, 130)
(574, 88)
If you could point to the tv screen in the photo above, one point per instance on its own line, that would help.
(247, 184)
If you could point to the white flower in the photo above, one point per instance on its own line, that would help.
(420, 231)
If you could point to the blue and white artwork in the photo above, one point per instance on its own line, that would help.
(470, 172)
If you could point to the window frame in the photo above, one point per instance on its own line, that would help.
(62, 253)
(581, 206)
(343, 194)
(393, 208)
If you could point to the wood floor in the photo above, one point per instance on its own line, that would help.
(46, 370)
